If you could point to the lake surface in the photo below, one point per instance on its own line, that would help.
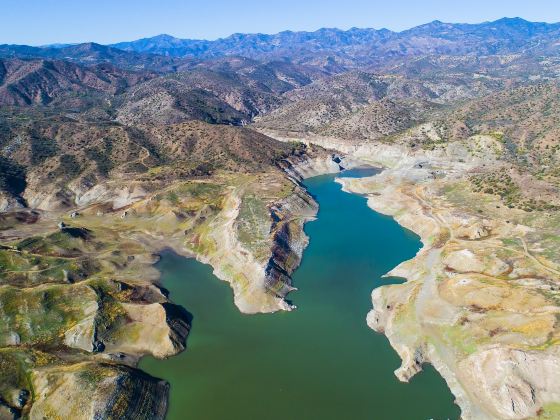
(320, 361)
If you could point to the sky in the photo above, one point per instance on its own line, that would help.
(40, 22)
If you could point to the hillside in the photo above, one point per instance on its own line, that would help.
(229, 91)
(360, 105)
(40, 82)
(57, 160)
(522, 118)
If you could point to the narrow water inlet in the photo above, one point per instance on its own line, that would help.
(320, 361)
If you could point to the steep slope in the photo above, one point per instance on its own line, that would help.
(521, 118)
(91, 53)
(61, 159)
(229, 91)
(79, 300)
(359, 105)
(40, 82)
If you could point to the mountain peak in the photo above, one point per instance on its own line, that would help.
(164, 37)
(86, 47)
(512, 21)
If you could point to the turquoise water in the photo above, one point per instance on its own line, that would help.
(318, 362)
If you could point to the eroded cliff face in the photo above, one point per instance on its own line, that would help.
(289, 239)
(97, 391)
(289, 216)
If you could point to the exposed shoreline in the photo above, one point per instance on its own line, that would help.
(248, 227)
(471, 305)
(419, 315)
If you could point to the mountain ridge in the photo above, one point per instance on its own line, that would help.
(166, 44)
(334, 50)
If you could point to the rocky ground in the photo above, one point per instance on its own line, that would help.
(80, 301)
(482, 298)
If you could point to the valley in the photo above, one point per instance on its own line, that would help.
(274, 357)
(118, 161)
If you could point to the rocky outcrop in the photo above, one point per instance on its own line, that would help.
(7, 412)
(78, 319)
(261, 277)
(521, 384)
(9, 202)
(306, 167)
(289, 240)
(256, 244)
(158, 329)
(97, 391)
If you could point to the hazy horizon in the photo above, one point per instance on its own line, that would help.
(105, 22)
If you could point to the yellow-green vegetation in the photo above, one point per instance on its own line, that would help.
(498, 135)
(441, 239)
(85, 287)
(486, 145)
(96, 390)
(58, 293)
(460, 338)
(549, 412)
(61, 256)
(42, 314)
(69, 287)
(405, 314)
(502, 185)
(22, 269)
(488, 279)
(15, 367)
(111, 312)
(550, 243)
(253, 226)
(460, 194)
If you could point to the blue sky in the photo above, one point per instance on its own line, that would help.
(37, 22)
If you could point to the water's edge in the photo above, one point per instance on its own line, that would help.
(321, 360)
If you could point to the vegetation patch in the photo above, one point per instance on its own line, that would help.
(502, 185)
(253, 225)
(12, 176)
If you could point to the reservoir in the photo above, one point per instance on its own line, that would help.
(320, 361)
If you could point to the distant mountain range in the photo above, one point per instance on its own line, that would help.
(231, 80)
(331, 46)
(501, 36)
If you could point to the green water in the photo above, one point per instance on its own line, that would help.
(318, 362)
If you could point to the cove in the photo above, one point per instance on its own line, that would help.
(320, 361)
